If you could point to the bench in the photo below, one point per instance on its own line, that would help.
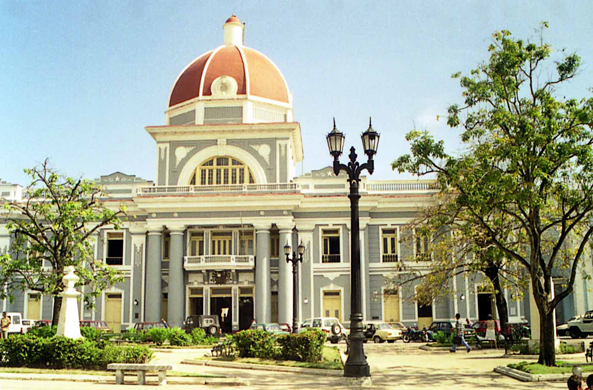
(224, 348)
(141, 369)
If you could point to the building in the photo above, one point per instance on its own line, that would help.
(209, 232)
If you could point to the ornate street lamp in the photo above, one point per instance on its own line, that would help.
(295, 260)
(356, 366)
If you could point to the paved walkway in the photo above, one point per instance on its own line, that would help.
(393, 366)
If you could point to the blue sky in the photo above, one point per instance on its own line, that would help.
(79, 80)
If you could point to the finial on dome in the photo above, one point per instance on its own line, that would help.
(370, 122)
(334, 122)
(233, 31)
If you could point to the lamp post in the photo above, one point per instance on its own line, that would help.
(356, 366)
(295, 260)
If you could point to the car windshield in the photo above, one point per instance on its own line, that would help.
(397, 325)
(385, 326)
(273, 327)
(329, 322)
(26, 322)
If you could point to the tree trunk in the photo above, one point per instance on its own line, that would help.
(501, 302)
(57, 308)
(547, 347)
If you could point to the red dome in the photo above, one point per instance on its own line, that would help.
(232, 19)
(254, 73)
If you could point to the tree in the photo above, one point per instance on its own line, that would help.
(52, 228)
(526, 173)
(458, 246)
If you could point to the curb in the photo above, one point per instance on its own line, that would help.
(535, 357)
(433, 349)
(130, 379)
(526, 377)
(262, 367)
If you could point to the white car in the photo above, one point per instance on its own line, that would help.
(27, 324)
(330, 325)
(15, 323)
(581, 327)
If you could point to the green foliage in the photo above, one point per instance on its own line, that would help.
(52, 229)
(302, 347)
(43, 331)
(62, 352)
(157, 335)
(90, 333)
(131, 334)
(522, 187)
(177, 336)
(255, 343)
(443, 338)
(198, 336)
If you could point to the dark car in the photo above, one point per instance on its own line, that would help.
(101, 325)
(41, 323)
(447, 328)
(210, 324)
(144, 326)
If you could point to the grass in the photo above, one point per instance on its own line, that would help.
(26, 370)
(539, 369)
(331, 360)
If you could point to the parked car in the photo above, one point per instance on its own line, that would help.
(27, 324)
(210, 324)
(16, 325)
(398, 325)
(270, 328)
(101, 325)
(480, 327)
(380, 331)
(285, 327)
(447, 328)
(581, 327)
(330, 325)
(141, 327)
(42, 323)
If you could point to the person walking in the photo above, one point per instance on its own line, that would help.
(458, 335)
(4, 324)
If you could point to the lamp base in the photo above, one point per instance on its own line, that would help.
(358, 382)
(357, 370)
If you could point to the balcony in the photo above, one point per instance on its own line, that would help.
(219, 189)
(219, 262)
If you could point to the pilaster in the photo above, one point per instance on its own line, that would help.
(263, 281)
(153, 288)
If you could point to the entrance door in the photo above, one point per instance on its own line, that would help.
(274, 306)
(245, 307)
(34, 306)
(332, 304)
(165, 307)
(390, 306)
(113, 312)
(485, 302)
(424, 316)
(221, 304)
(196, 301)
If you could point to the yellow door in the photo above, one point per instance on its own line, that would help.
(332, 304)
(274, 307)
(390, 306)
(34, 307)
(113, 312)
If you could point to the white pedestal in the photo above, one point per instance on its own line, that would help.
(69, 324)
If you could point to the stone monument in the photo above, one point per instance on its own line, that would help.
(68, 324)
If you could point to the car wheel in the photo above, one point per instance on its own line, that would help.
(336, 329)
(377, 339)
(575, 333)
(212, 330)
(406, 338)
(391, 341)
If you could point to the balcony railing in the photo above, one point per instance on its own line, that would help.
(402, 186)
(390, 257)
(219, 262)
(330, 258)
(226, 188)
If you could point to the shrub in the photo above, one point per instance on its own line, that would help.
(255, 343)
(177, 336)
(198, 336)
(443, 338)
(44, 331)
(63, 352)
(131, 334)
(90, 333)
(156, 335)
(306, 346)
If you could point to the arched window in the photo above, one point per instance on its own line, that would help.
(221, 170)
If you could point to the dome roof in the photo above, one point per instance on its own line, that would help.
(253, 72)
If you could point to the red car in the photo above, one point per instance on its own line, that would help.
(101, 325)
(285, 327)
(481, 326)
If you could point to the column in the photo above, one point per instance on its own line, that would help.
(285, 287)
(137, 299)
(176, 302)
(153, 288)
(263, 281)
(306, 287)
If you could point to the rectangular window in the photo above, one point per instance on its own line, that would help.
(389, 246)
(275, 245)
(331, 246)
(115, 248)
(196, 244)
(221, 243)
(245, 243)
(423, 247)
(223, 115)
(166, 246)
